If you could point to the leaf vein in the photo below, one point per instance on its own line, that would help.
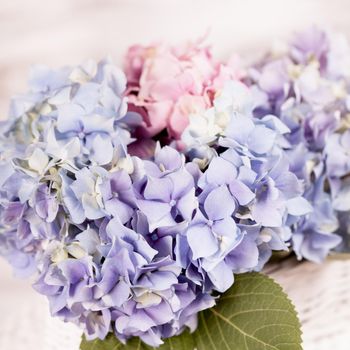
(222, 335)
(256, 310)
(242, 331)
(207, 330)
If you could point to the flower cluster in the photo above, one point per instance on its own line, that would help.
(167, 84)
(239, 146)
(136, 198)
(306, 86)
(71, 118)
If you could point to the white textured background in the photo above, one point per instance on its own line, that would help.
(69, 31)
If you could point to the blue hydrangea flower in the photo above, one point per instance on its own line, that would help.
(81, 107)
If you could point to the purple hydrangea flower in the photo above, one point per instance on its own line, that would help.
(139, 247)
(312, 101)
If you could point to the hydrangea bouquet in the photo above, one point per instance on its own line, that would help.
(145, 201)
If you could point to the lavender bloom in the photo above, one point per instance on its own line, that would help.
(26, 225)
(311, 44)
(338, 167)
(83, 196)
(99, 294)
(24, 265)
(22, 260)
(203, 132)
(167, 194)
(245, 257)
(38, 151)
(67, 284)
(213, 234)
(118, 195)
(262, 195)
(139, 247)
(213, 229)
(97, 324)
(81, 105)
(311, 101)
(313, 236)
(133, 251)
(46, 204)
(73, 203)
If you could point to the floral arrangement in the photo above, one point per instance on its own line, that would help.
(140, 198)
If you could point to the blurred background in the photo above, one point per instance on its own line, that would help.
(64, 32)
(58, 32)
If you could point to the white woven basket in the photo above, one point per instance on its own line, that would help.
(321, 294)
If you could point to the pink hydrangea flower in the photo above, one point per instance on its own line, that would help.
(167, 84)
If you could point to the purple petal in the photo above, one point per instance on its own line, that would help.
(221, 277)
(201, 241)
(219, 203)
(241, 192)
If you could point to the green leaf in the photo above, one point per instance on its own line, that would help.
(184, 341)
(255, 314)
